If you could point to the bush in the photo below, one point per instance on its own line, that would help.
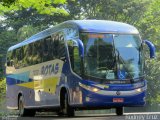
(2, 88)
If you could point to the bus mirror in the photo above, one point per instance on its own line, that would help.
(81, 48)
(151, 48)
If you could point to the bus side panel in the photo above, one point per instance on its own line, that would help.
(11, 96)
(75, 90)
(38, 84)
(14, 89)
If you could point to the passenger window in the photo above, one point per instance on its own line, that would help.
(26, 58)
(61, 49)
(55, 39)
(47, 49)
(58, 45)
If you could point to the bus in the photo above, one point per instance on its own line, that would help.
(78, 65)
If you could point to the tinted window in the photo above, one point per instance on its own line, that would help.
(49, 48)
(58, 45)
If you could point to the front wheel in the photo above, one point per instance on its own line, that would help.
(119, 111)
(65, 108)
(22, 111)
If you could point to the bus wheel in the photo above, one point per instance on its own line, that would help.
(66, 109)
(119, 111)
(22, 111)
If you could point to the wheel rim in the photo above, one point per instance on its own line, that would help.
(21, 108)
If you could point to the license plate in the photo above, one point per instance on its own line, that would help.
(118, 100)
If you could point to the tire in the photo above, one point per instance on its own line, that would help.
(22, 111)
(119, 111)
(65, 108)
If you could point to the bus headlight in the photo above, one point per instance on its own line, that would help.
(93, 89)
(139, 90)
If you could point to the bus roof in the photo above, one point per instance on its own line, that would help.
(105, 26)
(99, 26)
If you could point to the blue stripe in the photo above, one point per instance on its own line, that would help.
(12, 81)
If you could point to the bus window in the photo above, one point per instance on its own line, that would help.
(74, 56)
(21, 56)
(29, 54)
(58, 45)
(45, 47)
(61, 50)
(26, 56)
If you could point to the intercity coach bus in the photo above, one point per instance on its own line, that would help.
(78, 65)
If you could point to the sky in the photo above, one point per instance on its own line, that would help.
(2, 18)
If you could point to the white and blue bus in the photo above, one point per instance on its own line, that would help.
(78, 65)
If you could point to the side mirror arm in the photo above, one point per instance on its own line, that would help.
(81, 48)
(151, 48)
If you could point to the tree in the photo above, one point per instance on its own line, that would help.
(42, 6)
(7, 2)
(150, 29)
(118, 10)
(7, 38)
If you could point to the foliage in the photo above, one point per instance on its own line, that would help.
(2, 88)
(42, 6)
(7, 38)
(7, 2)
(25, 32)
(150, 28)
(119, 10)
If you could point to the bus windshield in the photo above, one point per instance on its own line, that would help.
(113, 56)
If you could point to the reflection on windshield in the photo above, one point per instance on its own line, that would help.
(111, 56)
(129, 55)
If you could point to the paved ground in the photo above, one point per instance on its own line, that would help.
(126, 116)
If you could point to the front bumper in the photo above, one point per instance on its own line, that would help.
(131, 99)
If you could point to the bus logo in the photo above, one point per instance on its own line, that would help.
(50, 69)
(118, 93)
